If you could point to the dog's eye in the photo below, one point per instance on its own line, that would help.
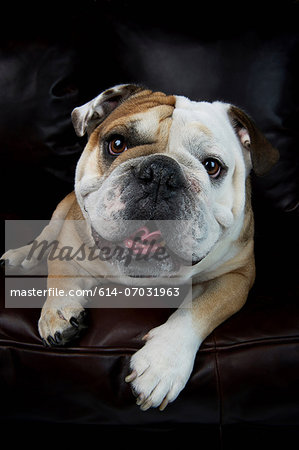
(213, 167)
(117, 145)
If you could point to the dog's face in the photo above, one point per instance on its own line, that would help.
(176, 166)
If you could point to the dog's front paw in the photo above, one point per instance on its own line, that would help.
(161, 369)
(58, 326)
(19, 258)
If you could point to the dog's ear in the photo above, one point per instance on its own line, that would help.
(87, 117)
(263, 154)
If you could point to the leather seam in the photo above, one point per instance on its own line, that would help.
(130, 350)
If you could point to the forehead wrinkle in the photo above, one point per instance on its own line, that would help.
(118, 126)
(188, 132)
(198, 143)
(142, 102)
(147, 123)
(201, 128)
(152, 121)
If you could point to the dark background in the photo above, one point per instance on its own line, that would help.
(55, 56)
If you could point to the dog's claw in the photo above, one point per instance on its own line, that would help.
(146, 405)
(57, 337)
(140, 399)
(51, 340)
(74, 322)
(131, 377)
(163, 404)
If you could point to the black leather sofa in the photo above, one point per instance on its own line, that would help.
(245, 383)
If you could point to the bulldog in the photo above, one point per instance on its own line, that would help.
(155, 158)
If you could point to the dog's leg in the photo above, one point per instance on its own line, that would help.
(21, 257)
(161, 368)
(63, 316)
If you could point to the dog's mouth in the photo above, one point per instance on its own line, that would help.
(147, 241)
(143, 241)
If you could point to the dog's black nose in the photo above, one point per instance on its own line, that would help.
(160, 173)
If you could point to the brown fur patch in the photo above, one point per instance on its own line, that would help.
(121, 119)
(138, 103)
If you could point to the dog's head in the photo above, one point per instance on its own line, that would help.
(176, 166)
